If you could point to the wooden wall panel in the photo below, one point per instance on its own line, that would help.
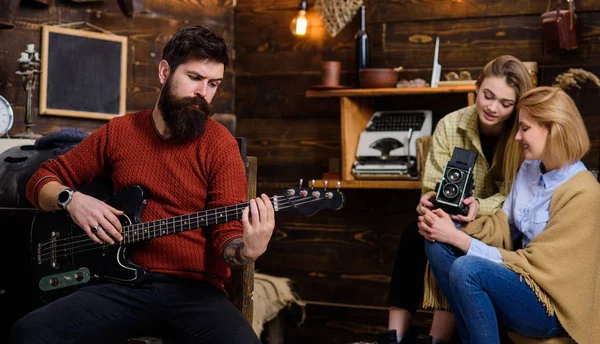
(488, 37)
(147, 34)
(291, 149)
(399, 45)
(337, 256)
(273, 49)
(412, 10)
(346, 257)
(278, 96)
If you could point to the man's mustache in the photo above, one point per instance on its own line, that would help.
(199, 101)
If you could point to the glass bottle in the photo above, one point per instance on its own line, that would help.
(362, 43)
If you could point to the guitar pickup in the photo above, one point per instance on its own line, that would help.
(65, 279)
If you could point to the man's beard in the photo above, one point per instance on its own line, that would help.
(185, 117)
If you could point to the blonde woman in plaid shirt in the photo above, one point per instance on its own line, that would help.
(484, 128)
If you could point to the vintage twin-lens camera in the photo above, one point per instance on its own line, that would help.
(457, 182)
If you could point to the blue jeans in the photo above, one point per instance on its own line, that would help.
(190, 312)
(484, 294)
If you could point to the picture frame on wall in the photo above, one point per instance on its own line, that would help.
(83, 73)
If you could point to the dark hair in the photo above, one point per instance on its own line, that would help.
(195, 42)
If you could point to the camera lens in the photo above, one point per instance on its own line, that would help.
(450, 191)
(454, 175)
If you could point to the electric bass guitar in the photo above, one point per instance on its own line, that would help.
(64, 257)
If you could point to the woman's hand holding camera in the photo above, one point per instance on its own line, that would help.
(425, 202)
(436, 225)
(473, 205)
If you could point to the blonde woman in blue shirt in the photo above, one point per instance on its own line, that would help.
(549, 286)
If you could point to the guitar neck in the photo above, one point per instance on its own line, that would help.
(178, 224)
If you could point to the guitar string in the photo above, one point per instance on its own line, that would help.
(136, 227)
(129, 227)
(208, 214)
(74, 249)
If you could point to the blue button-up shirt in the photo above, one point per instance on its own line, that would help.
(528, 204)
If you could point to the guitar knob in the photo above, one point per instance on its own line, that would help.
(78, 276)
(54, 281)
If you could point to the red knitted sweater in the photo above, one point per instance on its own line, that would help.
(181, 178)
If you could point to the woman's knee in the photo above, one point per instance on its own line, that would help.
(436, 250)
(467, 269)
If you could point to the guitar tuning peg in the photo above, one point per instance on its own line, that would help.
(300, 184)
(325, 184)
(338, 185)
(312, 184)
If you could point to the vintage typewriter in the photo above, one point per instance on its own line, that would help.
(387, 145)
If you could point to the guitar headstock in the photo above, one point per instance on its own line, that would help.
(309, 201)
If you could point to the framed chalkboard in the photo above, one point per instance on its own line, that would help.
(84, 73)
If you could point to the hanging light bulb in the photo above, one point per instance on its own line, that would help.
(299, 25)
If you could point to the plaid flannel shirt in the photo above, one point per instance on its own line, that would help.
(460, 129)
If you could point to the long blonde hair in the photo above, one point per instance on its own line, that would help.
(517, 77)
(568, 139)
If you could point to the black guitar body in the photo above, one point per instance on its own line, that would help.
(75, 259)
(63, 257)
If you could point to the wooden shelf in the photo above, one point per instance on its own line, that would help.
(350, 184)
(375, 92)
(356, 108)
(373, 184)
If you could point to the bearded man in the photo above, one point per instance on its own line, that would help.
(187, 162)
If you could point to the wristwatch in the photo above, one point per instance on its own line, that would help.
(64, 198)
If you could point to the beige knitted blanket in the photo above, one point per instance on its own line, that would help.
(271, 295)
(561, 264)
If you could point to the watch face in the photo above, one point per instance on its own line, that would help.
(63, 196)
(6, 116)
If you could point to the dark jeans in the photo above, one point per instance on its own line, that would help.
(406, 288)
(484, 294)
(185, 312)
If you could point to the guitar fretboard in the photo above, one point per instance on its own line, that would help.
(154, 229)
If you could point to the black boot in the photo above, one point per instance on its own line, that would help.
(390, 337)
(424, 340)
(387, 337)
(408, 338)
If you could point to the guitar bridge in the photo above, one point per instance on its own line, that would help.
(53, 238)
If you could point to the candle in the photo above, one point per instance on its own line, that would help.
(30, 48)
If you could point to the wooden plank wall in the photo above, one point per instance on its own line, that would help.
(147, 34)
(345, 258)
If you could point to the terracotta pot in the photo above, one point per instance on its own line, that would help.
(331, 73)
(377, 77)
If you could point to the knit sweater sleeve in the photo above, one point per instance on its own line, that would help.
(79, 166)
(227, 186)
